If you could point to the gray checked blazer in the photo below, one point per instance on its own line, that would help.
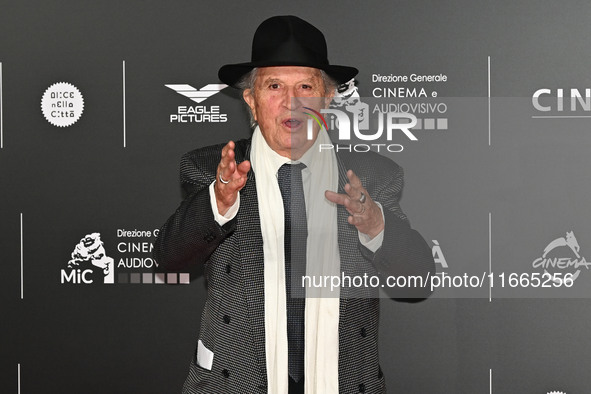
(232, 323)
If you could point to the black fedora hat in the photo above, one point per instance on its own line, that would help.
(287, 41)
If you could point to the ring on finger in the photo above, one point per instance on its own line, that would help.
(362, 198)
(222, 180)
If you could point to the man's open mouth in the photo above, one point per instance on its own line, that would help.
(292, 123)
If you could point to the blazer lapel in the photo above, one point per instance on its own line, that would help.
(250, 243)
(344, 230)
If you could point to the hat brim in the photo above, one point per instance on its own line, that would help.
(231, 74)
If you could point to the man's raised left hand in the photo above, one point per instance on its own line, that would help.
(366, 215)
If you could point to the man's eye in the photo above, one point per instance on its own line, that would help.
(306, 87)
(274, 86)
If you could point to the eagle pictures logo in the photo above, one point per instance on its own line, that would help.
(198, 113)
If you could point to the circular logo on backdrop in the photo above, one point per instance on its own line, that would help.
(62, 104)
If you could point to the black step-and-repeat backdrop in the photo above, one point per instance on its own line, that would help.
(98, 101)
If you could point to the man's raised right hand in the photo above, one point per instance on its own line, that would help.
(235, 176)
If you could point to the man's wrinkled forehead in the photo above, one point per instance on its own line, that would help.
(294, 74)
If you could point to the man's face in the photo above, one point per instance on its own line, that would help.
(277, 103)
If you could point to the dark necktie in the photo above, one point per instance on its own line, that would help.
(289, 177)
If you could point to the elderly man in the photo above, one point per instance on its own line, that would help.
(262, 213)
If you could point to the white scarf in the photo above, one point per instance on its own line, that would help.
(321, 352)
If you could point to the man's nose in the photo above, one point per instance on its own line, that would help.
(292, 101)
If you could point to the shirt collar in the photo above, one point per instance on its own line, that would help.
(310, 158)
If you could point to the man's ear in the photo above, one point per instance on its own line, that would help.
(328, 96)
(248, 96)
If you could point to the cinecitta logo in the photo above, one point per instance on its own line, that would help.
(567, 245)
(438, 254)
